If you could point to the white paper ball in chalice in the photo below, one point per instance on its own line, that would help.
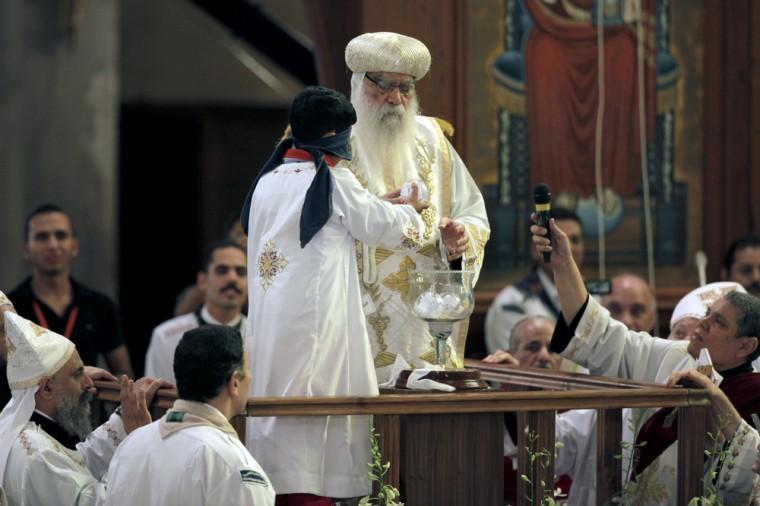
(441, 298)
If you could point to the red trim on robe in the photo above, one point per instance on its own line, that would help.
(300, 154)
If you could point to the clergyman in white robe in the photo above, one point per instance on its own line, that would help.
(191, 460)
(387, 155)
(308, 335)
(608, 348)
(42, 463)
(41, 471)
(430, 158)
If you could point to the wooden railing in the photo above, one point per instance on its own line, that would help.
(536, 412)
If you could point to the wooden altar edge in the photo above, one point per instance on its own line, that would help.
(441, 403)
(549, 378)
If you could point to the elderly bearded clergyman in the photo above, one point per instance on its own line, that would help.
(393, 145)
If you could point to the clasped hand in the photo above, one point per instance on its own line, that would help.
(135, 397)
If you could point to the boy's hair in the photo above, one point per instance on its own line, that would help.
(318, 110)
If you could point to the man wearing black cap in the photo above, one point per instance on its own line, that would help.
(307, 333)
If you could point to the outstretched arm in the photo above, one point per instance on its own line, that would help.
(570, 288)
(374, 221)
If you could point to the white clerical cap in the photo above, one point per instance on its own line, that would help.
(4, 300)
(695, 303)
(33, 351)
(388, 52)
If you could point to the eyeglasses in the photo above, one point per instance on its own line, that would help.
(404, 87)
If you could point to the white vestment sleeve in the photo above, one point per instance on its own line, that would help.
(371, 220)
(469, 209)
(735, 481)
(51, 477)
(467, 205)
(607, 348)
(99, 447)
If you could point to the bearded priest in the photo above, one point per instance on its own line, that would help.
(48, 451)
(394, 145)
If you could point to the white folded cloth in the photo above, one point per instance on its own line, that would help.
(416, 379)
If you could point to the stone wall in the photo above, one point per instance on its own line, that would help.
(59, 89)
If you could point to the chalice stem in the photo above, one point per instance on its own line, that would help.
(440, 330)
(440, 351)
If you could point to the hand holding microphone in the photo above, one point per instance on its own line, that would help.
(542, 199)
(553, 244)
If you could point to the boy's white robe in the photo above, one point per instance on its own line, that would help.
(307, 334)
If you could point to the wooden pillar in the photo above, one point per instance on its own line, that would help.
(238, 422)
(333, 23)
(453, 459)
(388, 428)
(692, 431)
(609, 433)
(731, 125)
(535, 433)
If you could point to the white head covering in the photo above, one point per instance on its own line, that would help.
(33, 353)
(388, 52)
(696, 302)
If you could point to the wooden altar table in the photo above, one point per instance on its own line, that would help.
(446, 448)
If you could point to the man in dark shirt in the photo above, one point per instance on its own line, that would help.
(52, 299)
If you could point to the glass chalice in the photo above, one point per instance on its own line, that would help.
(441, 298)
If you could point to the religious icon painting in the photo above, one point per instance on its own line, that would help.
(571, 114)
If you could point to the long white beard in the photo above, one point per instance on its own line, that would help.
(386, 139)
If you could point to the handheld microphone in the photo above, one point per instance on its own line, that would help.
(542, 199)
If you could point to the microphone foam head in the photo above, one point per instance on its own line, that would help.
(541, 194)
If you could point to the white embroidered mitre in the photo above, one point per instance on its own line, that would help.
(33, 351)
(695, 303)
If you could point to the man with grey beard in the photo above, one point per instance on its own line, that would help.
(393, 146)
(48, 451)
